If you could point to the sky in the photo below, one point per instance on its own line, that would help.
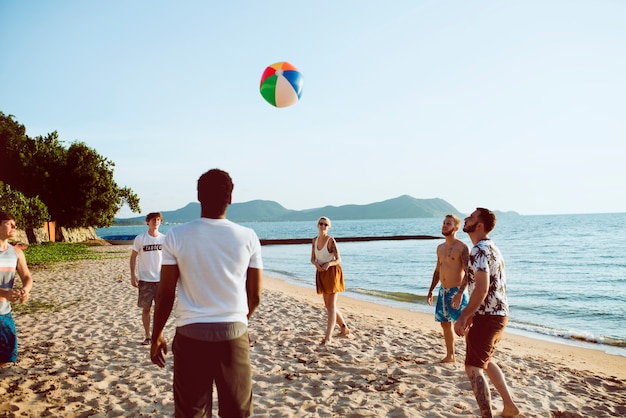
(513, 106)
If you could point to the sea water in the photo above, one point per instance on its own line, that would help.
(566, 274)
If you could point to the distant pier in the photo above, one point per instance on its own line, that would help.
(291, 241)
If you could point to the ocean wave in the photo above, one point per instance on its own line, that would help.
(569, 335)
(397, 296)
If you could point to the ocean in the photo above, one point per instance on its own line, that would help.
(566, 274)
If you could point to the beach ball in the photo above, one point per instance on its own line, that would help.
(281, 84)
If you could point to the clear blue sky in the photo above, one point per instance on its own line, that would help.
(507, 105)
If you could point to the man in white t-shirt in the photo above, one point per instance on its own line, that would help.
(214, 266)
(146, 259)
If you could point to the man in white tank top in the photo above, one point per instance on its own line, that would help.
(12, 262)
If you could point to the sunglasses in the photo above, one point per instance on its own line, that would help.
(322, 224)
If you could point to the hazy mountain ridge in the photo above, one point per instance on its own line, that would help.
(266, 210)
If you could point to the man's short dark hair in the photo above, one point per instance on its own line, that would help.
(5, 216)
(488, 218)
(215, 189)
(153, 215)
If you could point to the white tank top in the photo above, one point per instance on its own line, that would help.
(323, 255)
(8, 268)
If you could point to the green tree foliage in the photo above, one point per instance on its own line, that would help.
(28, 212)
(75, 183)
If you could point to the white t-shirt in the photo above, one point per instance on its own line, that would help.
(213, 256)
(149, 255)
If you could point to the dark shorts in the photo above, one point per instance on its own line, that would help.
(8, 339)
(198, 364)
(485, 332)
(147, 292)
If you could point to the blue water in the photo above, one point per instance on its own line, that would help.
(566, 274)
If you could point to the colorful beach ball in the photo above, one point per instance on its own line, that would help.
(281, 84)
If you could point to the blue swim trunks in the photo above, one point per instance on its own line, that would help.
(8, 339)
(444, 312)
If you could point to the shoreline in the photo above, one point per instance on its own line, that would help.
(81, 356)
(531, 317)
(610, 365)
(511, 329)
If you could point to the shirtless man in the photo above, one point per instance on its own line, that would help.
(451, 268)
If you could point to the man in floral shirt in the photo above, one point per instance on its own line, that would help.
(484, 318)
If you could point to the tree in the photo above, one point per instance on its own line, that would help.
(76, 183)
(11, 133)
(90, 189)
(28, 212)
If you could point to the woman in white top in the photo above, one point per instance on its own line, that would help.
(328, 276)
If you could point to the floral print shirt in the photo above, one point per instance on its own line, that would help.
(485, 256)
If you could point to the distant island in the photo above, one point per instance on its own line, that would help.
(269, 211)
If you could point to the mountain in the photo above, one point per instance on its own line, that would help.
(265, 210)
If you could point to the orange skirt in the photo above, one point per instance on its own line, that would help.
(329, 281)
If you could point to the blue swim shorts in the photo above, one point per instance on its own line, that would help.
(444, 312)
(8, 339)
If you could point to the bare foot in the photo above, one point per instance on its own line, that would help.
(448, 359)
(326, 342)
(510, 411)
(344, 330)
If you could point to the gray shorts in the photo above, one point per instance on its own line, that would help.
(147, 292)
(200, 364)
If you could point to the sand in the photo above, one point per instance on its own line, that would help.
(80, 356)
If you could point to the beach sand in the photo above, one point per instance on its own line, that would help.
(80, 356)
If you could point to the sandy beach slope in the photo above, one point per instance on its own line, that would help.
(80, 356)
